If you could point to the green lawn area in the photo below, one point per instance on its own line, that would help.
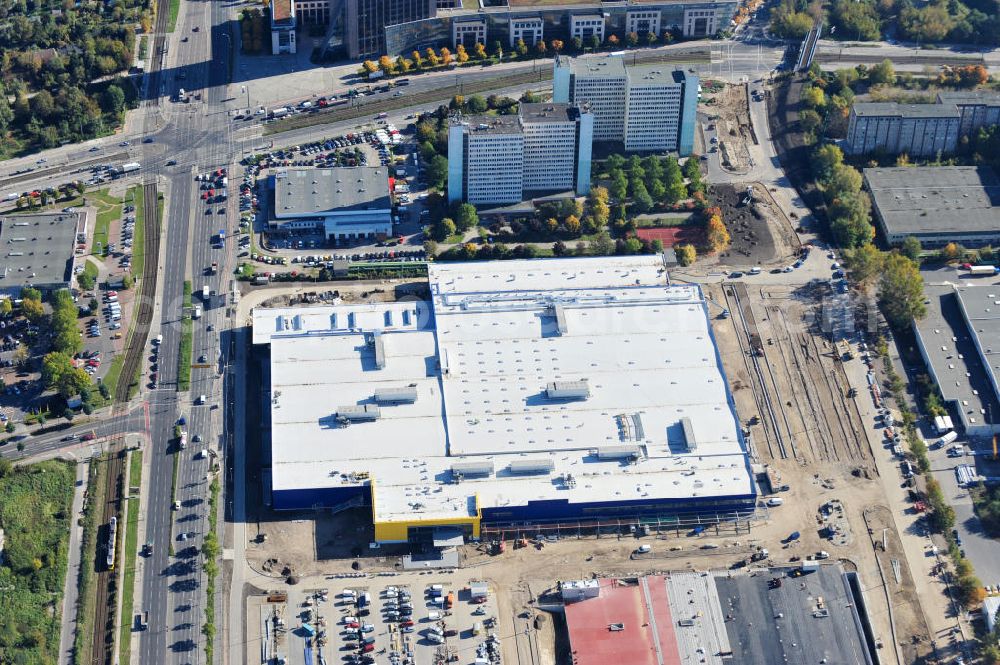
(109, 208)
(187, 332)
(36, 513)
(663, 220)
(139, 233)
(143, 45)
(131, 545)
(175, 8)
(114, 372)
(89, 275)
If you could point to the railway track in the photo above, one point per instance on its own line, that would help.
(739, 302)
(786, 350)
(103, 648)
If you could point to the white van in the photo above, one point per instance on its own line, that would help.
(755, 270)
(775, 501)
(433, 616)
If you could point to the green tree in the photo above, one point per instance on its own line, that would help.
(6, 307)
(32, 310)
(602, 244)
(864, 263)
(114, 100)
(444, 229)
(437, 172)
(476, 104)
(901, 290)
(465, 216)
(810, 121)
(825, 159)
(789, 23)
(911, 248)
(685, 254)
(882, 74)
(849, 220)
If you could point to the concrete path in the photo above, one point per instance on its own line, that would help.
(67, 633)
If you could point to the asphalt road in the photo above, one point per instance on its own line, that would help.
(55, 442)
(195, 135)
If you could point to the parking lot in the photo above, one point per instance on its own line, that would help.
(368, 621)
(376, 144)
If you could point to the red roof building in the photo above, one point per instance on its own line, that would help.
(641, 610)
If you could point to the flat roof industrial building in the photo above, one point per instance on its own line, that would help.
(720, 618)
(959, 339)
(345, 203)
(936, 204)
(525, 391)
(38, 251)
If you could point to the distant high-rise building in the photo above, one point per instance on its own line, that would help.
(494, 160)
(648, 108)
(919, 130)
(366, 20)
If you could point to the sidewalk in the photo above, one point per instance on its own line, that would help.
(910, 525)
(67, 634)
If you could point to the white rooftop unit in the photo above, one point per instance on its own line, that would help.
(359, 412)
(379, 345)
(618, 452)
(407, 395)
(688, 428)
(573, 590)
(476, 468)
(531, 466)
(568, 390)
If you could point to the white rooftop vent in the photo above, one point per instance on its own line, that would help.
(568, 390)
(531, 466)
(359, 413)
(407, 395)
(476, 468)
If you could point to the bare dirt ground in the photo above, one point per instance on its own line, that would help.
(811, 434)
(759, 231)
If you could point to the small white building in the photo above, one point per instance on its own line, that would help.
(643, 21)
(528, 28)
(585, 26)
(479, 589)
(468, 32)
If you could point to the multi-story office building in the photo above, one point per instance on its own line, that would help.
(648, 108)
(643, 21)
(919, 130)
(587, 25)
(528, 28)
(977, 109)
(494, 160)
(506, 22)
(600, 83)
(468, 32)
(653, 108)
(367, 20)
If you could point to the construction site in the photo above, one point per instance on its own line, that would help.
(792, 356)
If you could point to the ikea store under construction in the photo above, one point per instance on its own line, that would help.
(524, 393)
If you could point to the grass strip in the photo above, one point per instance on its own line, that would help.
(210, 549)
(131, 545)
(86, 599)
(187, 334)
(139, 231)
(109, 209)
(175, 8)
